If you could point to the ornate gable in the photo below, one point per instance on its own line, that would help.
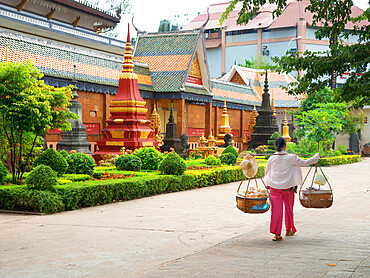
(195, 76)
(237, 79)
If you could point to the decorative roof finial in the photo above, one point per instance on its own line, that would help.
(137, 30)
(266, 87)
(128, 64)
(171, 119)
(205, 23)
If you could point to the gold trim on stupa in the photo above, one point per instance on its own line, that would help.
(286, 130)
(128, 64)
(272, 103)
(224, 127)
(251, 124)
(155, 124)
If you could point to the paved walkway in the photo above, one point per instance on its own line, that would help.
(196, 233)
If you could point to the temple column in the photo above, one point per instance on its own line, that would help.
(180, 103)
(217, 115)
(242, 123)
(209, 119)
(105, 110)
(223, 49)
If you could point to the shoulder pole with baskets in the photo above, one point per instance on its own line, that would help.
(316, 198)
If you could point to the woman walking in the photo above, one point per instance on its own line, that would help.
(282, 175)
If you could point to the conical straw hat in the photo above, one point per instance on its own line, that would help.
(249, 166)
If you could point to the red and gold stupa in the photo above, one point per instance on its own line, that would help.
(128, 126)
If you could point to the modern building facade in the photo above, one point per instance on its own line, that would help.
(230, 44)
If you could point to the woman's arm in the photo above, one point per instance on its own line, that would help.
(311, 160)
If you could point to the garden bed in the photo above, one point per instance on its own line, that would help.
(79, 192)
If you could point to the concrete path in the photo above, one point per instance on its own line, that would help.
(197, 233)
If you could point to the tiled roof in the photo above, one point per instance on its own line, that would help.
(143, 74)
(296, 9)
(262, 20)
(234, 93)
(57, 60)
(255, 79)
(289, 17)
(168, 56)
(87, 7)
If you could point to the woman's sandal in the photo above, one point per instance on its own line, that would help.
(290, 233)
(277, 238)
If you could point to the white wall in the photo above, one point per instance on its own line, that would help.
(366, 131)
(214, 61)
(279, 33)
(239, 54)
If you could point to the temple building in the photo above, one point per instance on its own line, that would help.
(172, 67)
(280, 100)
(58, 35)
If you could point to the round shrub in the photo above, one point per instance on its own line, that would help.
(150, 157)
(3, 173)
(41, 178)
(228, 158)
(80, 163)
(232, 150)
(52, 158)
(128, 162)
(211, 160)
(172, 164)
(64, 153)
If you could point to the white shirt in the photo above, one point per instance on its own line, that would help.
(283, 170)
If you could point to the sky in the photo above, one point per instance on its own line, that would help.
(149, 13)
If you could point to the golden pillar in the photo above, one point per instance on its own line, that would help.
(286, 130)
(251, 124)
(225, 126)
(155, 124)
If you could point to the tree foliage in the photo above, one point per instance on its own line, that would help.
(28, 109)
(254, 63)
(320, 68)
(117, 7)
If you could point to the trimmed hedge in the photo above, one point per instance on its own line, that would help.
(80, 163)
(128, 162)
(97, 192)
(19, 197)
(172, 164)
(338, 160)
(232, 150)
(78, 195)
(76, 177)
(228, 158)
(52, 158)
(41, 178)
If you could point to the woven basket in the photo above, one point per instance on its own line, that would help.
(319, 194)
(247, 204)
(316, 198)
(314, 202)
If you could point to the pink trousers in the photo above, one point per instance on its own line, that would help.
(278, 198)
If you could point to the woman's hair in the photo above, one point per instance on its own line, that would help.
(280, 143)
